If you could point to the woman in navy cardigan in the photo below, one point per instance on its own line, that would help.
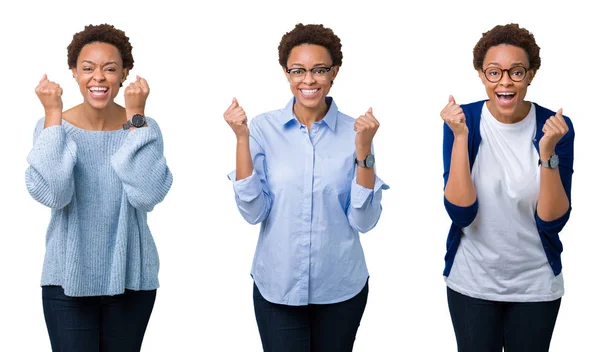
(508, 165)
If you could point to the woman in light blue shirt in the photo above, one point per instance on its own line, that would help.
(306, 173)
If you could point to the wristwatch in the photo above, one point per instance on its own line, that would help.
(550, 164)
(367, 163)
(136, 121)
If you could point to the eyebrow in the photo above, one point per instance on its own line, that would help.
(320, 64)
(511, 65)
(93, 63)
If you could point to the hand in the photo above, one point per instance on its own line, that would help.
(554, 129)
(365, 126)
(50, 95)
(136, 94)
(455, 118)
(237, 120)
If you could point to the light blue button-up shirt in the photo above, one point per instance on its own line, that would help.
(304, 193)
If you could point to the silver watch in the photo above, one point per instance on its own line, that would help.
(550, 164)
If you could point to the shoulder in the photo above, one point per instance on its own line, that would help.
(474, 107)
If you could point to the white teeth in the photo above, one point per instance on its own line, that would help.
(505, 93)
(98, 89)
(309, 91)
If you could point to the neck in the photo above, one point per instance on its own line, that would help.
(517, 115)
(307, 116)
(111, 117)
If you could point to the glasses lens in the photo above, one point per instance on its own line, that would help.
(493, 74)
(517, 73)
(297, 74)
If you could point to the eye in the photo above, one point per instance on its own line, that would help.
(297, 71)
(111, 69)
(518, 72)
(319, 70)
(86, 69)
(493, 72)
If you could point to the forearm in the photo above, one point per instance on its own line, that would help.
(459, 189)
(53, 118)
(552, 200)
(364, 176)
(243, 159)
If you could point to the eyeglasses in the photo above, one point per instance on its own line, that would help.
(297, 74)
(494, 74)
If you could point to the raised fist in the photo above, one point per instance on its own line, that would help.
(50, 95)
(136, 94)
(237, 120)
(365, 126)
(454, 117)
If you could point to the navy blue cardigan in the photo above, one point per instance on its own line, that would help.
(463, 216)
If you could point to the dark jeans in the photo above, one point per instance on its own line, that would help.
(98, 323)
(482, 325)
(314, 328)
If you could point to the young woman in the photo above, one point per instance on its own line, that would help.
(100, 167)
(306, 173)
(508, 164)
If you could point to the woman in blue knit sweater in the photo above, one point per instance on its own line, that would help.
(100, 168)
(508, 164)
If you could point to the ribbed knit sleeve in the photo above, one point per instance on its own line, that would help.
(49, 177)
(140, 165)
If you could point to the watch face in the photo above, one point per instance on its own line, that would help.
(138, 120)
(554, 161)
(370, 161)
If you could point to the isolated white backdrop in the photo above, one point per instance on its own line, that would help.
(402, 61)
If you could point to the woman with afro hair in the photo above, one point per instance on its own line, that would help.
(508, 164)
(306, 174)
(100, 167)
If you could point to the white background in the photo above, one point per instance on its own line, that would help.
(403, 62)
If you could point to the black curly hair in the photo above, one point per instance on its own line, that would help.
(310, 34)
(510, 34)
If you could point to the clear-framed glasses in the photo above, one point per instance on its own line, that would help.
(297, 74)
(494, 74)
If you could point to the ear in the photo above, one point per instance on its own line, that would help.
(335, 70)
(285, 73)
(125, 74)
(74, 71)
(530, 75)
(482, 76)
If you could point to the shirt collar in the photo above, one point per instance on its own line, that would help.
(330, 118)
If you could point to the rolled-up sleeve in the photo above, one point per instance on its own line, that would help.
(365, 205)
(252, 194)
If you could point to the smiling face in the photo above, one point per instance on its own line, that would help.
(311, 90)
(507, 98)
(99, 73)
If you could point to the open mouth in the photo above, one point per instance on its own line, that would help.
(505, 97)
(98, 92)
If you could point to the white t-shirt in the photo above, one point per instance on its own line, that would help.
(500, 256)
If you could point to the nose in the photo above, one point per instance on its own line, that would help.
(308, 78)
(98, 75)
(505, 79)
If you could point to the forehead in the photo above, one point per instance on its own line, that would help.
(307, 54)
(99, 53)
(505, 54)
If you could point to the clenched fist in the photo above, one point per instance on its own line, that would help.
(365, 126)
(237, 120)
(554, 129)
(136, 94)
(50, 95)
(454, 117)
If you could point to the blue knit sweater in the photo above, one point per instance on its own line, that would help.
(100, 185)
